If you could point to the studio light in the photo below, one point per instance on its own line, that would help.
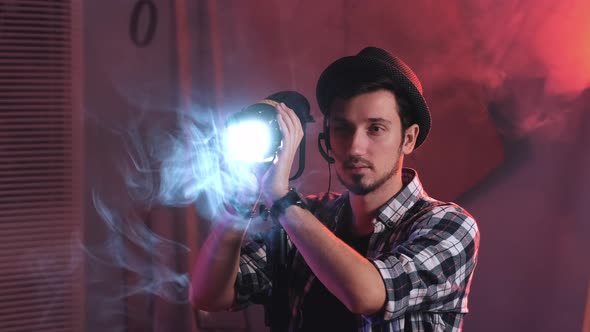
(253, 135)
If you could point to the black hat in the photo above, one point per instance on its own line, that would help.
(369, 65)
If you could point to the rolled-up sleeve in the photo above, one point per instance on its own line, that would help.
(432, 269)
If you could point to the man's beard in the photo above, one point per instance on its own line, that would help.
(359, 188)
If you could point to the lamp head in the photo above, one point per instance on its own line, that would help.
(253, 134)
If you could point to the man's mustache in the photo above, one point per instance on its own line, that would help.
(357, 162)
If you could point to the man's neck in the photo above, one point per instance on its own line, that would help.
(365, 207)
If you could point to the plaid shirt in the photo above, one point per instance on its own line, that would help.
(424, 249)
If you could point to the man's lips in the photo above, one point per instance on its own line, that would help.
(357, 165)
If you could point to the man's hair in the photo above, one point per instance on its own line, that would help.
(348, 89)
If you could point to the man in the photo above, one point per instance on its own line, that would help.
(383, 256)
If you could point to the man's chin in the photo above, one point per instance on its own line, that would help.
(362, 184)
(358, 191)
(358, 188)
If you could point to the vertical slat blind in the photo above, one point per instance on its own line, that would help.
(40, 166)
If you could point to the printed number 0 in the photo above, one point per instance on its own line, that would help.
(143, 38)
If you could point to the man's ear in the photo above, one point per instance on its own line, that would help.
(410, 137)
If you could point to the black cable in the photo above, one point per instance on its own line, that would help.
(329, 177)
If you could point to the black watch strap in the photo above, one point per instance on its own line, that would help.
(280, 205)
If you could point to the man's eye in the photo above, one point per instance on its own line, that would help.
(376, 129)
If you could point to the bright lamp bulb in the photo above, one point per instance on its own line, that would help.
(248, 141)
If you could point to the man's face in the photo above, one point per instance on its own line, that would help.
(366, 140)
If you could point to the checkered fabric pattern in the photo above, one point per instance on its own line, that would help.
(425, 250)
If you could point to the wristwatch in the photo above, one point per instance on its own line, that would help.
(280, 205)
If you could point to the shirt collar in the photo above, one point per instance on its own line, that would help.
(412, 191)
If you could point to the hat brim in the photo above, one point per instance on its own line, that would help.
(365, 69)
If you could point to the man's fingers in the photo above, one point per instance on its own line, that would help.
(282, 124)
(284, 121)
(292, 117)
(292, 123)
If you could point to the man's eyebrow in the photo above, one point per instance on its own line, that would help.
(379, 120)
(339, 119)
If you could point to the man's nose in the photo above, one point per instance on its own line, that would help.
(358, 143)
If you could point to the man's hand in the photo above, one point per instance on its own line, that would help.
(275, 182)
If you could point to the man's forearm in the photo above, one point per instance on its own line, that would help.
(354, 280)
(215, 270)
